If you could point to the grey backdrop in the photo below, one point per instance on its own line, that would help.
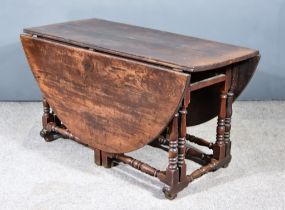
(257, 24)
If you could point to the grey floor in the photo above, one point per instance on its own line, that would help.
(61, 174)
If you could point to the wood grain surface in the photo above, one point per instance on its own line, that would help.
(148, 45)
(110, 103)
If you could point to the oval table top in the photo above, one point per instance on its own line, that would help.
(173, 51)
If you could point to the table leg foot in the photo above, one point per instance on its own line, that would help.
(49, 136)
(104, 159)
(227, 163)
(168, 194)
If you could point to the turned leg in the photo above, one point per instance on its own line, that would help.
(232, 78)
(219, 146)
(182, 139)
(56, 119)
(47, 118)
(228, 125)
(172, 172)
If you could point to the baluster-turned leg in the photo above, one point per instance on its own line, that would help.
(228, 123)
(232, 83)
(56, 119)
(47, 116)
(182, 137)
(46, 119)
(219, 147)
(172, 172)
(182, 147)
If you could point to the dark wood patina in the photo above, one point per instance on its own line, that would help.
(116, 88)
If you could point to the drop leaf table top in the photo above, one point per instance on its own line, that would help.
(117, 87)
(175, 51)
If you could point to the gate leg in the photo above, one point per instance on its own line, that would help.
(219, 146)
(228, 125)
(172, 172)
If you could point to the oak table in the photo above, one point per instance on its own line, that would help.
(117, 87)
